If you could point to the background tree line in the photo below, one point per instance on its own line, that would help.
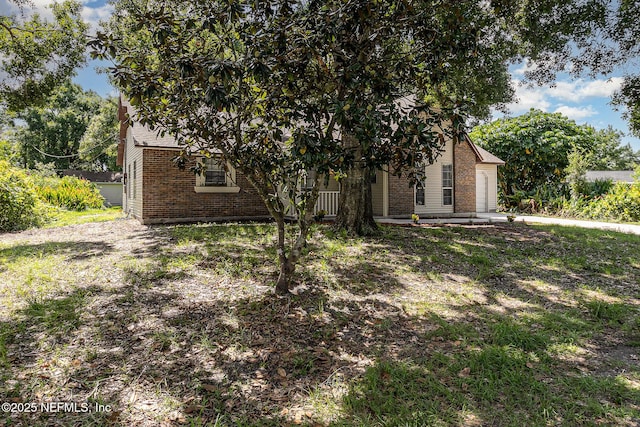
(44, 118)
(71, 129)
(547, 157)
(537, 148)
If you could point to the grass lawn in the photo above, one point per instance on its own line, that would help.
(486, 325)
(64, 217)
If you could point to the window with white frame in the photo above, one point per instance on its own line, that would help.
(447, 185)
(216, 178)
(215, 174)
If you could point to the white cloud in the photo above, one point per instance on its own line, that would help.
(93, 15)
(563, 96)
(579, 90)
(563, 90)
(528, 98)
(42, 4)
(41, 7)
(7, 8)
(577, 113)
(522, 68)
(602, 88)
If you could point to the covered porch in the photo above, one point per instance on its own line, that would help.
(329, 196)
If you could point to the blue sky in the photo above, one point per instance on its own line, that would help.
(583, 100)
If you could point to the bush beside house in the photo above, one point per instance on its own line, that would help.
(602, 199)
(20, 206)
(70, 193)
(620, 203)
(30, 199)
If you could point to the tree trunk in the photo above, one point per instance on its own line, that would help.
(355, 208)
(287, 262)
(284, 278)
(286, 267)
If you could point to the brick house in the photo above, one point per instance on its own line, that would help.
(461, 182)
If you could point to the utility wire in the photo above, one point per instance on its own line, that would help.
(69, 156)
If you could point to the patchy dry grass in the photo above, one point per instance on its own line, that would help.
(478, 325)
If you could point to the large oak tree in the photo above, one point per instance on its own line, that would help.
(37, 55)
(455, 54)
(51, 133)
(288, 91)
(274, 88)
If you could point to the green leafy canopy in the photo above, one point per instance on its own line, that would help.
(66, 130)
(37, 55)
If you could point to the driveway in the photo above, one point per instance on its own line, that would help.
(612, 226)
(493, 217)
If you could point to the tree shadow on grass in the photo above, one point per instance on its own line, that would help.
(501, 391)
(262, 361)
(74, 250)
(184, 349)
(363, 278)
(245, 362)
(44, 323)
(506, 375)
(253, 361)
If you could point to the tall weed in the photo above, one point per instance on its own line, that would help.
(69, 192)
(621, 203)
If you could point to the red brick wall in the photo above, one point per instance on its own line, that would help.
(169, 194)
(464, 180)
(400, 196)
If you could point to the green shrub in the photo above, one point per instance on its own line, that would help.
(590, 190)
(69, 192)
(621, 203)
(599, 187)
(600, 200)
(20, 207)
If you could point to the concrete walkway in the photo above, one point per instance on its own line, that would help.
(488, 218)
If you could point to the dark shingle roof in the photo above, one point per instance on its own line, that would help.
(145, 137)
(94, 176)
(482, 155)
(488, 158)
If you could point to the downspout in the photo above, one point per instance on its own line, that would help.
(454, 172)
